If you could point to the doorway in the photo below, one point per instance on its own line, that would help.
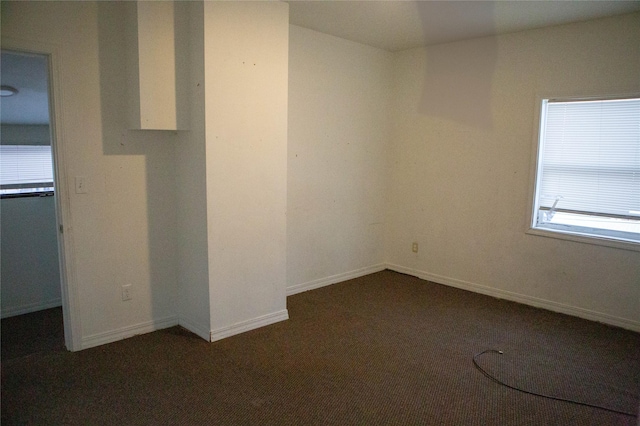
(31, 284)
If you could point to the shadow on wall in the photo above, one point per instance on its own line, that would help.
(139, 181)
(458, 77)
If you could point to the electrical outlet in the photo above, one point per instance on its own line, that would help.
(126, 292)
(414, 247)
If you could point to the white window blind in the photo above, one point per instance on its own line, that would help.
(25, 166)
(590, 157)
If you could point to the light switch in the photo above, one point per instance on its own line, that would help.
(81, 185)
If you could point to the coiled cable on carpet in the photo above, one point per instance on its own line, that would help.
(483, 371)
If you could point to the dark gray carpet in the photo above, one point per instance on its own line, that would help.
(382, 349)
(24, 335)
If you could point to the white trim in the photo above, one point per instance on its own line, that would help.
(521, 298)
(128, 331)
(333, 279)
(13, 311)
(155, 325)
(194, 328)
(581, 238)
(247, 325)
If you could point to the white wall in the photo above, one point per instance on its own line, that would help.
(190, 151)
(195, 221)
(339, 129)
(123, 229)
(462, 155)
(246, 66)
(30, 278)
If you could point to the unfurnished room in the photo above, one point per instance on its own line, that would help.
(320, 212)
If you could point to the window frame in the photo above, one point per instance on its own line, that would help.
(564, 232)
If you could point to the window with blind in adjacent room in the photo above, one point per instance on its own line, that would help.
(25, 170)
(588, 169)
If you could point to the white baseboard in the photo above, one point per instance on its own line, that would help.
(521, 298)
(198, 330)
(211, 336)
(247, 325)
(128, 331)
(321, 282)
(13, 311)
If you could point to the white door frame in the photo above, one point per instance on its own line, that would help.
(70, 304)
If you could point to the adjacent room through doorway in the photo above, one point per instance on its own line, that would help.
(30, 280)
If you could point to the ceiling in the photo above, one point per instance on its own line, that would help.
(399, 25)
(391, 25)
(27, 73)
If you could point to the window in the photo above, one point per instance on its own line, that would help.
(588, 169)
(25, 170)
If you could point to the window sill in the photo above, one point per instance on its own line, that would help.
(27, 195)
(588, 239)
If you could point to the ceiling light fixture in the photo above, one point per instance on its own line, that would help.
(7, 91)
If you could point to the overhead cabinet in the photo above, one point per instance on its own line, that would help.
(152, 62)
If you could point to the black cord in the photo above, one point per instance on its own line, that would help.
(475, 362)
